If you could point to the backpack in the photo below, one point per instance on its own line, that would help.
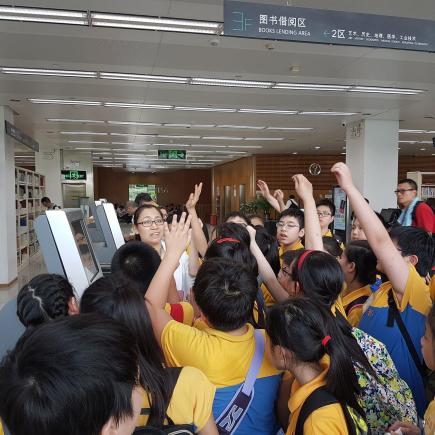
(170, 428)
(322, 397)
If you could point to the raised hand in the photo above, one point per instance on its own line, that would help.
(343, 175)
(279, 195)
(194, 198)
(178, 237)
(252, 231)
(262, 185)
(303, 187)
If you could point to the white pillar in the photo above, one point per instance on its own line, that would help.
(48, 163)
(8, 227)
(372, 155)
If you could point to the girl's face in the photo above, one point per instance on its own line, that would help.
(346, 266)
(427, 348)
(150, 226)
(285, 279)
(357, 231)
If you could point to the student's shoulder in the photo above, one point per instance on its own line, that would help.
(326, 420)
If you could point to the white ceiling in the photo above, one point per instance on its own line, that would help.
(34, 45)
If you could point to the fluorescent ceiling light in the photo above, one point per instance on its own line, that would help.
(382, 90)
(222, 138)
(209, 146)
(327, 113)
(233, 152)
(146, 124)
(49, 72)
(40, 15)
(90, 133)
(205, 109)
(203, 125)
(245, 146)
(90, 149)
(172, 145)
(144, 77)
(310, 86)
(81, 121)
(241, 127)
(200, 151)
(67, 102)
(269, 111)
(133, 134)
(417, 131)
(166, 136)
(230, 83)
(178, 125)
(154, 23)
(290, 128)
(87, 142)
(139, 105)
(264, 138)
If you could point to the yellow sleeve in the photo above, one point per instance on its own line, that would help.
(327, 420)
(338, 305)
(268, 298)
(192, 400)
(354, 316)
(416, 293)
(188, 313)
(1, 429)
(432, 288)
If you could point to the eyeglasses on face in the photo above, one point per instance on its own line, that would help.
(286, 225)
(149, 222)
(402, 191)
(323, 214)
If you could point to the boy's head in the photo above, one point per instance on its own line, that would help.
(238, 218)
(136, 262)
(416, 247)
(326, 213)
(76, 375)
(290, 227)
(225, 293)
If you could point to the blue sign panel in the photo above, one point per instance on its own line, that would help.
(253, 20)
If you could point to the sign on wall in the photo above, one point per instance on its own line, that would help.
(339, 199)
(73, 175)
(21, 137)
(253, 20)
(135, 189)
(172, 154)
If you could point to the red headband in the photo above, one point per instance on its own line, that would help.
(302, 258)
(325, 340)
(227, 239)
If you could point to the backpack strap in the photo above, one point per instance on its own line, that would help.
(394, 315)
(318, 399)
(233, 414)
(356, 303)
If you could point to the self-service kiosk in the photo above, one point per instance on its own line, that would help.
(67, 248)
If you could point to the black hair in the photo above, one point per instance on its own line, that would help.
(332, 246)
(255, 216)
(239, 214)
(139, 210)
(70, 376)
(137, 263)
(141, 198)
(327, 203)
(415, 241)
(299, 325)
(225, 291)
(360, 253)
(319, 276)
(43, 298)
(289, 256)
(45, 199)
(296, 213)
(380, 217)
(269, 247)
(412, 183)
(430, 319)
(236, 249)
(113, 297)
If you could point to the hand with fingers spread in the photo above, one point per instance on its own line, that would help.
(279, 195)
(178, 237)
(303, 187)
(262, 185)
(343, 175)
(194, 198)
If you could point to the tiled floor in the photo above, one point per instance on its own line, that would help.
(35, 267)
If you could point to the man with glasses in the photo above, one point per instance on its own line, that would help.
(415, 212)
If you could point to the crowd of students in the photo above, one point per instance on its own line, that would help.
(246, 334)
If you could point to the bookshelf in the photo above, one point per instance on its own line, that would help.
(29, 189)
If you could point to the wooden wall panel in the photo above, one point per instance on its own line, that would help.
(233, 174)
(113, 185)
(414, 163)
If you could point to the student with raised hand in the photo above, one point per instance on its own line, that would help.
(44, 298)
(306, 341)
(271, 199)
(358, 263)
(404, 298)
(227, 349)
(76, 375)
(169, 396)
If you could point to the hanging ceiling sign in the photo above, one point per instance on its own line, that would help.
(21, 137)
(172, 154)
(253, 20)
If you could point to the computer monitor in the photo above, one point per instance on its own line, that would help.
(67, 248)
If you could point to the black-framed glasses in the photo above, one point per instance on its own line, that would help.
(323, 214)
(147, 223)
(286, 225)
(402, 191)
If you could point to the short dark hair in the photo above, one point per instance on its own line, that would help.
(332, 246)
(239, 214)
(45, 297)
(360, 253)
(45, 199)
(141, 198)
(412, 183)
(269, 247)
(327, 203)
(74, 373)
(296, 213)
(225, 292)
(255, 216)
(140, 209)
(431, 323)
(290, 256)
(415, 241)
(236, 231)
(137, 263)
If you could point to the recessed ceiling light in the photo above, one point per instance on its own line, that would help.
(422, 149)
(294, 152)
(343, 153)
(317, 148)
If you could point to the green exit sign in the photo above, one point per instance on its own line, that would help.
(172, 154)
(74, 175)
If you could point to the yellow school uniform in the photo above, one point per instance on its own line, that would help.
(432, 288)
(268, 298)
(338, 306)
(282, 249)
(1, 428)
(191, 401)
(181, 312)
(429, 419)
(225, 359)
(355, 313)
(327, 420)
